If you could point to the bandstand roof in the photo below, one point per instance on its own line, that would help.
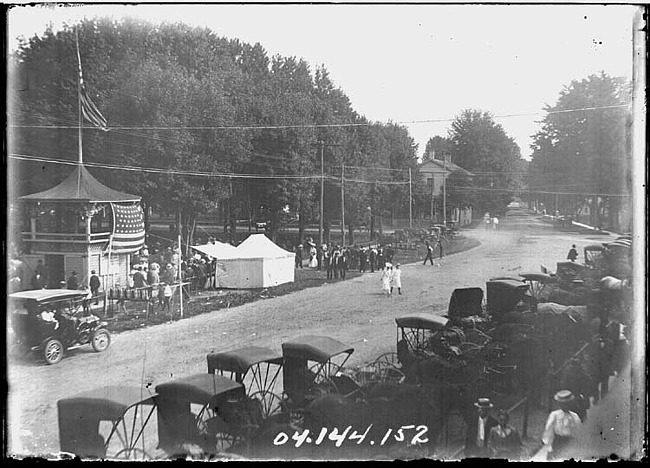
(81, 186)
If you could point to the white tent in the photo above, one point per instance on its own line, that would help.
(256, 263)
(217, 250)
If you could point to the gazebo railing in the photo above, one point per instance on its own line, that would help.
(57, 237)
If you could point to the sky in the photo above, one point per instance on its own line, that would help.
(411, 64)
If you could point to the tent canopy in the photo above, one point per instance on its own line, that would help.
(81, 186)
(260, 246)
(217, 250)
(255, 263)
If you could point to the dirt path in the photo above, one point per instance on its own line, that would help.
(353, 311)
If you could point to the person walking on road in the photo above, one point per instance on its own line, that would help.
(561, 427)
(487, 218)
(429, 256)
(440, 247)
(385, 280)
(396, 280)
(495, 223)
(573, 253)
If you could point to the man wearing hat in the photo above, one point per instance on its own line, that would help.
(561, 426)
(478, 430)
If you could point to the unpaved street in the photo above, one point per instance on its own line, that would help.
(352, 311)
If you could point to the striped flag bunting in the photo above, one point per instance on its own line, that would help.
(128, 228)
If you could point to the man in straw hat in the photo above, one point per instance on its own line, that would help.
(478, 430)
(561, 426)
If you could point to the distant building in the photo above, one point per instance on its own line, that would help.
(435, 172)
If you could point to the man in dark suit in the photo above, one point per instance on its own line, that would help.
(478, 430)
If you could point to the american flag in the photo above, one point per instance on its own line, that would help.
(88, 108)
(128, 231)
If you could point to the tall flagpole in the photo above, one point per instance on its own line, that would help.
(79, 82)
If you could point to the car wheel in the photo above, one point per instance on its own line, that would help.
(53, 351)
(101, 340)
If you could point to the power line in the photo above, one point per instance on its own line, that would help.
(224, 175)
(341, 125)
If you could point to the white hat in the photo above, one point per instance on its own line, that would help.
(389, 265)
(484, 403)
(563, 396)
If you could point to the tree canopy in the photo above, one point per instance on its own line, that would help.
(223, 129)
(582, 154)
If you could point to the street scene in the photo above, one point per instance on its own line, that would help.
(214, 252)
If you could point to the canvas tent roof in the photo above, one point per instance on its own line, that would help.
(260, 246)
(81, 186)
(217, 250)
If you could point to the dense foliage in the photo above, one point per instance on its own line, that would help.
(180, 98)
(583, 158)
(481, 146)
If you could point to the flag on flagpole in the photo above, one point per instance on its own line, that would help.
(90, 111)
(88, 107)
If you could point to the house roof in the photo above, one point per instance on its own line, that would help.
(81, 186)
(449, 167)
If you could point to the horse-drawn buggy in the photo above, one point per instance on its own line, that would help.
(243, 393)
(201, 415)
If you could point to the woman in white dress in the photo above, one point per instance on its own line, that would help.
(313, 261)
(396, 280)
(385, 280)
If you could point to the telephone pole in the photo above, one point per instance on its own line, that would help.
(321, 144)
(343, 202)
(410, 202)
(444, 191)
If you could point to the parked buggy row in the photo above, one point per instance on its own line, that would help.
(208, 414)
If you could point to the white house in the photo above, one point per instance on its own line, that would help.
(435, 172)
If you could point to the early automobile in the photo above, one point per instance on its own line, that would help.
(53, 321)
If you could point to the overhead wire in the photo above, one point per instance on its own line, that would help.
(339, 125)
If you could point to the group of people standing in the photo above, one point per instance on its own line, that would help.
(337, 260)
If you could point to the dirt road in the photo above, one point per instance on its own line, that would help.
(353, 311)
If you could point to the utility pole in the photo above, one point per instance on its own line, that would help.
(343, 202)
(180, 252)
(410, 202)
(444, 191)
(322, 146)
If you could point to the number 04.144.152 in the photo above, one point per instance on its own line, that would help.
(338, 437)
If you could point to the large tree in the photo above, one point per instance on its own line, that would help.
(480, 145)
(582, 152)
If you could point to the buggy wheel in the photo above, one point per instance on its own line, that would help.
(387, 368)
(53, 351)
(134, 435)
(132, 453)
(271, 404)
(101, 340)
(218, 433)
